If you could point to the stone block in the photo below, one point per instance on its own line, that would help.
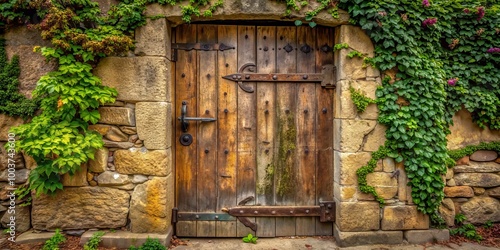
(346, 165)
(463, 161)
(5, 157)
(31, 236)
(22, 219)
(136, 78)
(385, 185)
(114, 144)
(484, 155)
(389, 165)
(125, 239)
(128, 130)
(110, 132)
(344, 107)
(33, 61)
(79, 179)
(6, 122)
(351, 134)
(109, 178)
(350, 239)
(478, 190)
(426, 236)
(494, 192)
(404, 191)
(375, 138)
(478, 167)
(100, 161)
(480, 209)
(151, 38)
(149, 207)
(84, 207)
(348, 216)
(20, 178)
(449, 173)
(447, 211)
(29, 161)
(466, 132)
(117, 116)
(477, 179)
(154, 124)
(142, 161)
(403, 218)
(344, 193)
(21, 35)
(459, 191)
(358, 40)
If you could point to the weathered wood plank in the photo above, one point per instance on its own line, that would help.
(246, 127)
(306, 127)
(207, 131)
(286, 160)
(227, 129)
(324, 129)
(186, 156)
(266, 128)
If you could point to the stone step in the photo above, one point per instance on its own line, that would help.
(125, 239)
(478, 167)
(29, 237)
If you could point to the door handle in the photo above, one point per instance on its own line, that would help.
(185, 119)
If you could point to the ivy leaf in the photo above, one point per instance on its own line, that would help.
(312, 24)
(298, 23)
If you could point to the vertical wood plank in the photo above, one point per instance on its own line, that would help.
(227, 129)
(246, 127)
(286, 160)
(306, 126)
(324, 129)
(266, 127)
(186, 156)
(207, 131)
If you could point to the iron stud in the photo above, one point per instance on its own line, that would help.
(226, 151)
(225, 111)
(247, 76)
(206, 151)
(305, 77)
(324, 110)
(275, 77)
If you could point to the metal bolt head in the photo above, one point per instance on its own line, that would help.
(197, 216)
(256, 212)
(247, 76)
(305, 77)
(275, 77)
(307, 211)
(206, 151)
(241, 211)
(216, 217)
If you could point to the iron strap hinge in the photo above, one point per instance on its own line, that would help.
(326, 211)
(198, 46)
(326, 77)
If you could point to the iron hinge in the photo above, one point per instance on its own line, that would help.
(198, 46)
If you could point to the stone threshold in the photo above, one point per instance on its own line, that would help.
(118, 239)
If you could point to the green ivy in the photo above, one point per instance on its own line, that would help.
(470, 149)
(12, 102)
(360, 100)
(445, 55)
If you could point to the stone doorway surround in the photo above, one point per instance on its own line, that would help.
(145, 182)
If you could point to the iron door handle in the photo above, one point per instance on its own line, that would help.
(185, 119)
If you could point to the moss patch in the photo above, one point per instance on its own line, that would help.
(287, 135)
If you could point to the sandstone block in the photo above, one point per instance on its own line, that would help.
(478, 167)
(385, 185)
(451, 183)
(138, 179)
(348, 216)
(150, 209)
(128, 130)
(23, 219)
(357, 40)
(145, 162)
(351, 134)
(117, 116)
(484, 155)
(463, 161)
(477, 179)
(110, 132)
(480, 209)
(125, 239)
(348, 239)
(84, 207)
(466, 132)
(33, 61)
(346, 165)
(375, 138)
(79, 179)
(447, 211)
(426, 236)
(129, 186)
(449, 173)
(5, 157)
(478, 190)
(29, 161)
(344, 107)
(404, 191)
(379, 167)
(6, 122)
(154, 124)
(494, 192)
(344, 193)
(100, 161)
(21, 175)
(114, 144)
(459, 191)
(403, 218)
(136, 78)
(151, 38)
(109, 178)
(389, 165)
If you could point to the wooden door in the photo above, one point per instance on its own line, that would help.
(272, 147)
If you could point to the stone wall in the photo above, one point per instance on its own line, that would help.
(473, 189)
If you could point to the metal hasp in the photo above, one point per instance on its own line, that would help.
(326, 77)
(184, 119)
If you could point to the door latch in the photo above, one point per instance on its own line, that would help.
(186, 139)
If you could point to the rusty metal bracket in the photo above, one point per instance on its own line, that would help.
(326, 77)
(327, 211)
(198, 46)
(196, 216)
